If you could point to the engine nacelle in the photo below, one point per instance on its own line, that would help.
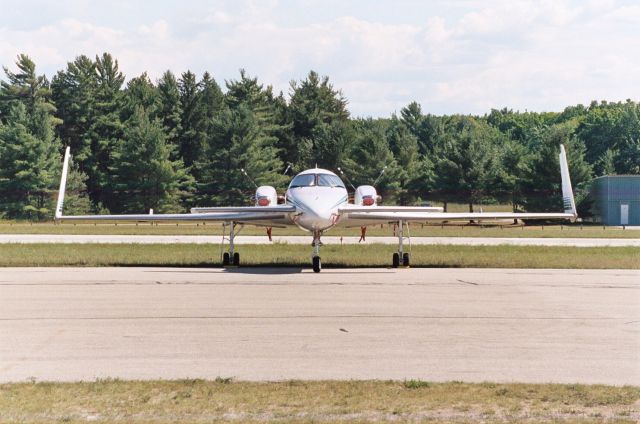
(366, 195)
(266, 196)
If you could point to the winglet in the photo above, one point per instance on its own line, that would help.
(567, 191)
(63, 184)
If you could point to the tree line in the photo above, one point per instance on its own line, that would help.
(182, 141)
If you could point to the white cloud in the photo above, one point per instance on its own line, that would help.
(465, 58)
(218, 17)
(630, 14)
(158, 29)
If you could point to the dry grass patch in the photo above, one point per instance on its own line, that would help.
(315, 401)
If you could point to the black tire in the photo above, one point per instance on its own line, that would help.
(396, 260)
(225, 259)
(236, 259)
(317, 264)
(405, 259)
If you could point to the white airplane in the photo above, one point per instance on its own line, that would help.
(316, 201)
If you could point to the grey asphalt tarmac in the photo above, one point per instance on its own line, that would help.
(214, 239)
(504, 325)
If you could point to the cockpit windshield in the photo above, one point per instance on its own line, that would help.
(328, 180)
(304, 180)
(319, 180)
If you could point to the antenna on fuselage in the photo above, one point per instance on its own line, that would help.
(289, 165)
(381, 172)
(248, 177)
(345, 177)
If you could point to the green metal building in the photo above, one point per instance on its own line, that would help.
(616, 199)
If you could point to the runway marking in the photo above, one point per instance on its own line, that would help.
(468, 282)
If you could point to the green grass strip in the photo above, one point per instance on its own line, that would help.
(374, 255)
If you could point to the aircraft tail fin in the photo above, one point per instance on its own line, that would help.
(567, 192)
(63, 183)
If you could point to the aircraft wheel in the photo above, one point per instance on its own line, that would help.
(405, 259)
(225, 259)
(236, 259)
(317, 265)
(396, 260)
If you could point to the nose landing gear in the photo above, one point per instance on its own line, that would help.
(317, 264)
(315, 257)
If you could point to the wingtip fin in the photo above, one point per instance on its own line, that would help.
(63, 184)
(567, 191)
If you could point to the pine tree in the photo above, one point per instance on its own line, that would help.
(332, 144)
(370, 155)
(410, 175)
(105, 131)
(76, 201)
(515, 163)
(423, 127)
(29, 163)
(141, 93)
(74, 94)
(211, 97)
(170, 110)
(314, 103)
(193, 131)
(145, 176)
(29, 150)
(237, 141)
(291, 152)
(27, 87)
(248, 92)
(470, 161)
(208, 104)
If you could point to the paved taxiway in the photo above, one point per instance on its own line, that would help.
(261, 323)
(216, 239)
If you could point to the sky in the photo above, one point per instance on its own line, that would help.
(451, 56)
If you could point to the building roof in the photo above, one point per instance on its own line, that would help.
(618, 176)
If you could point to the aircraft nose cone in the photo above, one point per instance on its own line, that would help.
(323, 213)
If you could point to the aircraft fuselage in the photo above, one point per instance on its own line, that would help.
(316, 194)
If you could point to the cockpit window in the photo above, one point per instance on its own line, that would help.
(304, 180)
(320, 180)
(328, 180)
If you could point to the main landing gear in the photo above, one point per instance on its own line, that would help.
(315, 257)
(402, 258)
(231, 257)
(226, 259)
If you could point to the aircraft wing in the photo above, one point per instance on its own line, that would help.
(353, 209)
(262, 209)
(219, 217)
(368, 215)
(263, 214)
(374, 216)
